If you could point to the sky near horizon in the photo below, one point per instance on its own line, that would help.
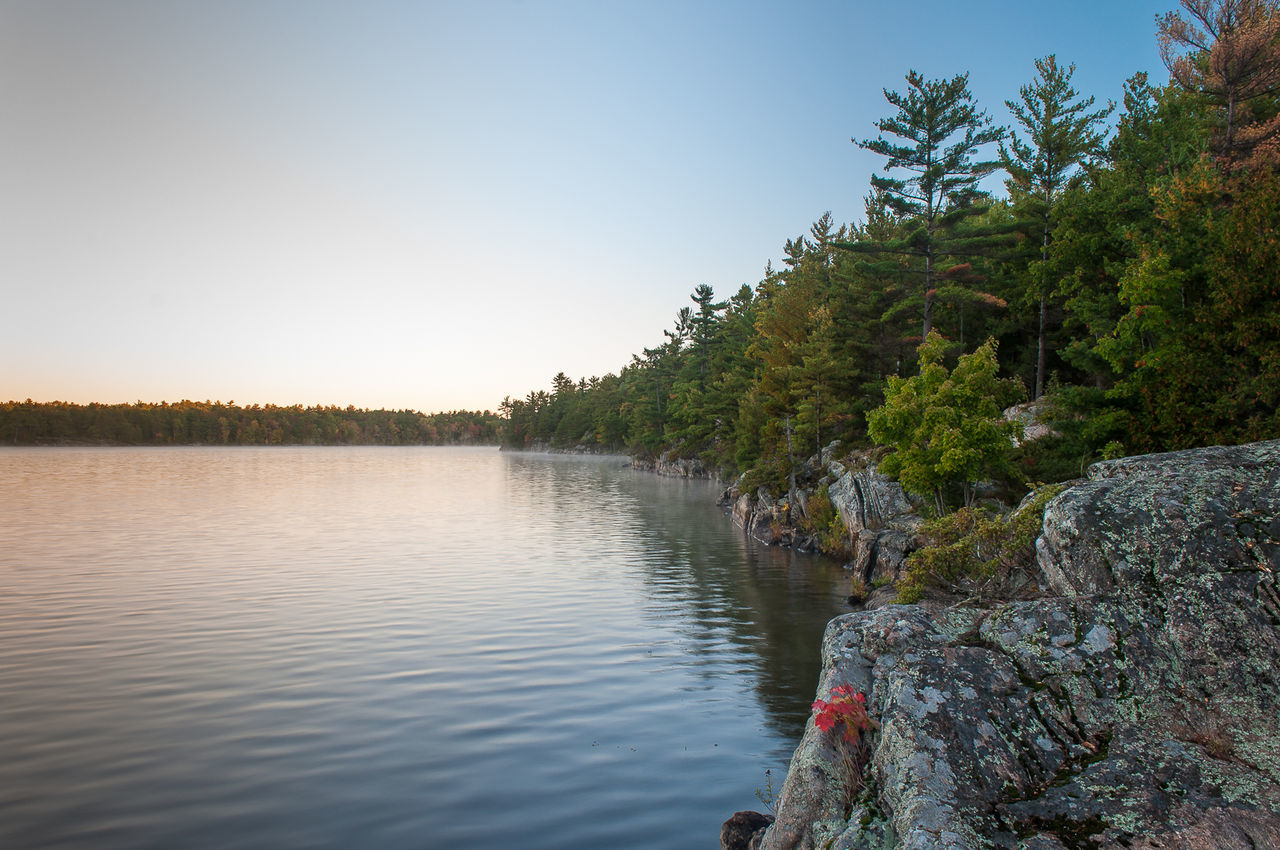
(433, 205)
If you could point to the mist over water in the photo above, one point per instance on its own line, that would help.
(388, 647)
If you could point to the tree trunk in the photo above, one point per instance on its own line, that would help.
(1041, 354)
(928, 295)
(1040, 348)
(791, 476)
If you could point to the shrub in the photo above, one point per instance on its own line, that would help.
(946, 426)
(824, 523)
(848, 711)
(975, 552)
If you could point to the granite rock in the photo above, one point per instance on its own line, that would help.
(1134, 705)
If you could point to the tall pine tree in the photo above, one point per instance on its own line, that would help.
(939, 131)
(1233, 58)
(1061, 134)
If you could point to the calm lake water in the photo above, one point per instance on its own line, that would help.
(388, 648)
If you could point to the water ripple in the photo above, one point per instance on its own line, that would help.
(392, 648)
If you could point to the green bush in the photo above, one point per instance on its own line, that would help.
(824, 523)
(946, 427)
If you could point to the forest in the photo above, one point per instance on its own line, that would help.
(1128, 281)
(218, 424)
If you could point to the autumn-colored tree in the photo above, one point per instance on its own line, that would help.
(1229, 50)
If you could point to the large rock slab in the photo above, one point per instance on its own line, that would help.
(1136, 706)
(869, 500)
(881, 521)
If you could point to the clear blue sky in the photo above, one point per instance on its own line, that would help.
(435, 204)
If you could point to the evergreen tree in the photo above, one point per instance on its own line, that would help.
(704, 322)
(940, 130)
(1061, 134)
(1197, 353)
(692, 429)
(1234, 60)
(811, 346)
(731, 374)
(1102, 227)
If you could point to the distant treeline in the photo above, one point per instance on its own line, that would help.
(217, 424)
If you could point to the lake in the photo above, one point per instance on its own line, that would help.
(390, 648)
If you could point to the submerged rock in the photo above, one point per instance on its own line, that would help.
(1134, 707)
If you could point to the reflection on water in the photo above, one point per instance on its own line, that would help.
(387, 647)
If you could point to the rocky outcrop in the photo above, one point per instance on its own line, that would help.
(877, 515)
(1033, 416)
(583, 448)
(769, 520)
(881, 520)
(759, 514)
(1134, 705)
(674, 467)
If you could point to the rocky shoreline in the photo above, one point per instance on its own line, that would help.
(878, 522)
(672, 467)
(1133, 703)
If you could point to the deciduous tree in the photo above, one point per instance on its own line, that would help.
(946, 427)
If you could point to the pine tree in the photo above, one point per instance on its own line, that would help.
(692, 426)
(1061, 135)
(1234, 59)
(941, 131)
(704, 322)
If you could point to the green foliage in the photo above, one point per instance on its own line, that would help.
(938, 208)
(768, 795)
(974, 552)
(1113, 450)
(1063, 454)
(946, 427)
(1061, 135)
(823, 522)
(942, 129)
(1142, 277)
(1196, 353)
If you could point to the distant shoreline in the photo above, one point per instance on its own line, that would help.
(212, 423)
(102, 444)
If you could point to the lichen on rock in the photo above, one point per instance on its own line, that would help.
(1134, 705)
